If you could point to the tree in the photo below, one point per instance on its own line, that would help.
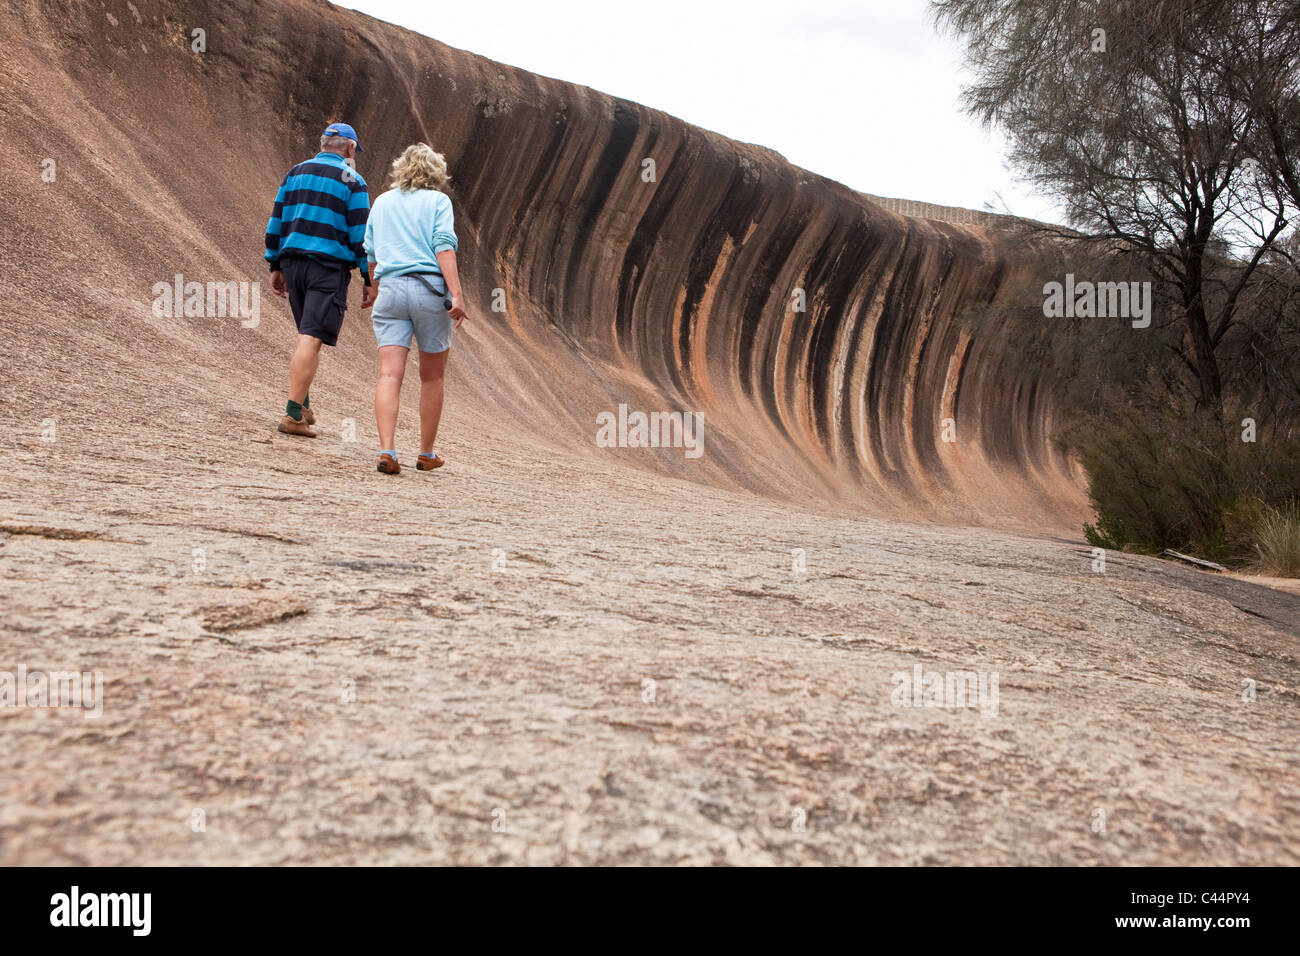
(1260, 55)
(1127, 113)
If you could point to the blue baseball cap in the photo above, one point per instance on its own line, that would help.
(344, 130)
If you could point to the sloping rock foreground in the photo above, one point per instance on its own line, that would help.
(612, 668)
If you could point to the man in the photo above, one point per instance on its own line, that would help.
(313, 241)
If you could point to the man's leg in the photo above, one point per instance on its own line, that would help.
(302, 369)
(433, 365)
(392, 366)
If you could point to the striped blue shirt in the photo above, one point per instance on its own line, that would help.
(320, 210)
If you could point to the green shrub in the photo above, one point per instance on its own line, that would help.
(1277, 535)
(1164, 474)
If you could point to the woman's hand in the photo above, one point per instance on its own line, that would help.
(447, 263)
(457, 311)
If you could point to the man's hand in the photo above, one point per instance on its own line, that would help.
(369, 294)
(457, 311)
(277, 284)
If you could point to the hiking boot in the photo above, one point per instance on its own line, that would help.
(291, 427)
(308, 417)
(388, 465)
(429, 462)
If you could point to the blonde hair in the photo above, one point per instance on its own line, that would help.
(419, 167)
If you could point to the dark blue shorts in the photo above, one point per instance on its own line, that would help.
(318, 295)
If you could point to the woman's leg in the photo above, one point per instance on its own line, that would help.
(392, 366)
(432, 367)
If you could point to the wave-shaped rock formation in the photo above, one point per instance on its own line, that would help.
(639, 260)
(958, 214)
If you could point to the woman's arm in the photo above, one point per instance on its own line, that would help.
(444, 250)
(371, 292)
(447, 263)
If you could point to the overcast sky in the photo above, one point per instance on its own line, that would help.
(862, 91)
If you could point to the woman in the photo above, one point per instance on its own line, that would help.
(411, 245)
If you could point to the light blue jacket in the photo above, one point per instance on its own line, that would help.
(406, 231)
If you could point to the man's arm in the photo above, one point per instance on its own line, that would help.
(273, 228)
(358, 220)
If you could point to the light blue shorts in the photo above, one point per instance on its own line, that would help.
(407, 307)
